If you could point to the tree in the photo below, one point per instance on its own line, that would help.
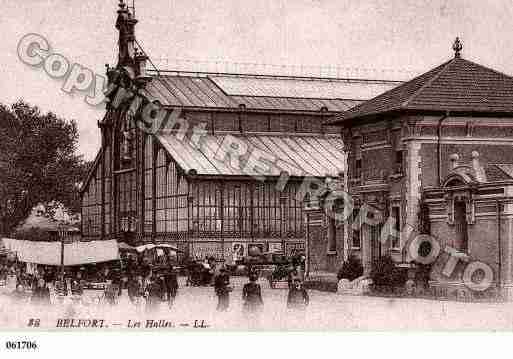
(38, 163)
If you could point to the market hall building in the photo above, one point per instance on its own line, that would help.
(436, 153)
(159, 187)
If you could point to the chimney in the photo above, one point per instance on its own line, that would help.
(454, 158)
(478, 168)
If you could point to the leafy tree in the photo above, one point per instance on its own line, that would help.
(35, 235)
(38, 163)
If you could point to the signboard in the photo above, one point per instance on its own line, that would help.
(294, 248)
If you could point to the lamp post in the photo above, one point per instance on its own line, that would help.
(62, 235)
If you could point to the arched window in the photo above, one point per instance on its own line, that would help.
(148, 184)
(161, 191)
(126, 140)
(108, 188)
(460, 225)
(171, 200)
(182, 203)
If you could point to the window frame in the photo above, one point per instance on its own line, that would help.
(356, 216)
(395, 243)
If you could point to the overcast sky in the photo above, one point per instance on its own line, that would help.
(402, 35)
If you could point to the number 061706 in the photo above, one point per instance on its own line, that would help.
(21, 345)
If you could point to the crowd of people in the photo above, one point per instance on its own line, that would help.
(145, 287)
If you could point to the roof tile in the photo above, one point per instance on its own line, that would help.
(457, 85)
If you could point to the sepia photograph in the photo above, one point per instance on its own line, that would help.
(281, 166)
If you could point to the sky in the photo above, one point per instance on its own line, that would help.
(393, 39)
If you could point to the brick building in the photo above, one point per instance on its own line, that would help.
(436, 153)
(170, 185)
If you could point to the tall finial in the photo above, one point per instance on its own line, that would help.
(457, 47)
(122, 4)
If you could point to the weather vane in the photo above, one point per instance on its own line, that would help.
(457, 47)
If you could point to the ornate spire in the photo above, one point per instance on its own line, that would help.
(125, 24)
(457, 47)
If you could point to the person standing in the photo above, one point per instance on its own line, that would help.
(77, 288)
(153, 294)
(61, 287)
(171, 284)
(41, 294)
(135, 289)
(252, 295)
(297, 298)
(111, 292)
(222, 289)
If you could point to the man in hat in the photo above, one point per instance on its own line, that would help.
(252, 295)
(222, 289)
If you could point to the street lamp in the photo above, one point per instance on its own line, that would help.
(62, 236)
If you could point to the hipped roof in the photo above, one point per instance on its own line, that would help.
(457, 86)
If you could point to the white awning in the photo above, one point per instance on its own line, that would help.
(90, 252)
(75, 253)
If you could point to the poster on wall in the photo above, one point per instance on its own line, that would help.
(275, 247)
(206, 250)
(255, 249)
(238, 251)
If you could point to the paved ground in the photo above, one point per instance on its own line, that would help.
(328, 311)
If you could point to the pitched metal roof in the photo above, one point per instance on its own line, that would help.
(457, 85)
(226, 91)
(298, 155)
(499, 172)
(300, 87)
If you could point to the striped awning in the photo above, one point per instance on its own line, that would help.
(256, 155)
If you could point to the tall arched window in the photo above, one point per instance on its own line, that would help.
(171, 200)
(126, 141)
(148, 184)
(161, 191)
(108, 186)
(460, 241)
(182, 203)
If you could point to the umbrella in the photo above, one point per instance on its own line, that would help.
(163, 245)
(123, 245)
(151, 246)
(144, 247)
